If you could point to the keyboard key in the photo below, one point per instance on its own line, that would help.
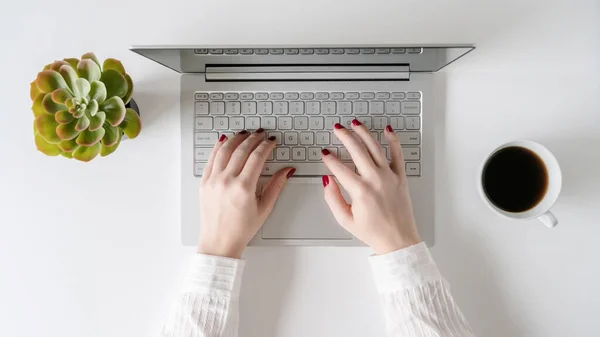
(253, 123)
(261, 51)
(302, 169)
(409, 138)
(233, 108)
(414, 50)
(204, 123)
(382, 50)
(382, 138)
(299, 153)
(397, 123)
(205, 138)
(366, 121)
(382, 95)
(201, 108)
(411, 153)
(276, 51)
(336, 95)
(276, 95)
(413, 95)
(231, 51)
(322, 51)
(291, 95)
(352, 95)
(345, 155)
(392, 108)
(360, 108)
(217, 108)
(376, 108)
(198, 168)
(313, 108)
(413, 123)
(297, 108)
(367, 51)
(398, 50)
(202, 153)
(246, 52)
(271, 156)
(201, 51)
(411, 107)
(330, 122)
(307, 51)
(278, 137)
(333, 151)
(268, 123)
(201, 96)
(413, 169)
(375, 135)
(306, 95)
(322, 138)
(261, 95)
(221, 123)
(301, 123)
(236, 123)
(290, 138)
(285, 123)
(322, 95)
(328, 108)
(306, 138)
(246, 95)
(291, 51)
(352, 51)
(335, 140)
(367, 95)
(398, 95)
(344, 108)
(249, 108)
(379, 123)
(317, 123)
(231, 96)
(314, 154)
(283, 154)
(347, 122)
(216, 96)
(337, 51)
(264, 108)
(216, 51)
(281, 108)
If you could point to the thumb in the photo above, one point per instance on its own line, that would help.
(338, 205)
(274, 187)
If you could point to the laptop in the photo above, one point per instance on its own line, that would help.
(297, 94)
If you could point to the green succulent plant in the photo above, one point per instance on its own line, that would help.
(79, 108)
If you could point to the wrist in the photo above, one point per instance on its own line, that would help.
(392, 246)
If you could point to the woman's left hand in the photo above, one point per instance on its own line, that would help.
(232, 210)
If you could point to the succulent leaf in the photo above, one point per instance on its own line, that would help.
(67, 154)
(77, 113)
(108, 149)
(37, 107)
(33, 91)
(89, 70)
(98, 91)
(97, 121)
(116, 84)
(111, 136)
(89, 138)
(90, 56)
(82, 123)
(70, 77)
(50, 80)
(60, 96)
(92, 108)
(83, 87)
(57, 64)
(68, 145)
(115, 110)
(72, 62)
(127, 97)
(45, 126)
(63, 117)
(87, 153)
(50, 106)
(45, 147)
(111, 63)
(67, 131)
(132, 124)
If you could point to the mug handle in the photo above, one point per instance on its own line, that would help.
(548, 219)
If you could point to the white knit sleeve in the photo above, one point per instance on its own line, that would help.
(416, 299)
(209, 303)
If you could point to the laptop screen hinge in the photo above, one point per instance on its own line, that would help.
(307, 73)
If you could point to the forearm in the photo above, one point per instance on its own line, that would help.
(416, 299)
(209, 303)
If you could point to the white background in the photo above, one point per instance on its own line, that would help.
(93, 249)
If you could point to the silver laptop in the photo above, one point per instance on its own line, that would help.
(297, 93)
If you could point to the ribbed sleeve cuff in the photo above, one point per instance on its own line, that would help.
(215, 274)
(404, 268)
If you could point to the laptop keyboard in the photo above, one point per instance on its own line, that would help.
(302, 123)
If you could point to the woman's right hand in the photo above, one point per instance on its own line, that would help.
(381, 213)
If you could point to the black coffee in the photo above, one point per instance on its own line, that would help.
(515, 179)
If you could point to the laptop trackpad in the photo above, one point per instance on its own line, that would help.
(302, 213)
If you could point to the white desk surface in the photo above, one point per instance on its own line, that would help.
(93, 250)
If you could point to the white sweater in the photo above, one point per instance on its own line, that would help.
(416, 299)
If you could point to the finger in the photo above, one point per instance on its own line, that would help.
(224, 155)
(241, 154)
(274, 187)
(397, 163)
(357, 150)
(346, 175)
(373, 146)
(342, 211)
(256, 160)
(211, 158)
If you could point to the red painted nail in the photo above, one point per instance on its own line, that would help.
(272, 138)
(243, 132)
(338, 126)
(325, 180)
(325, 152)
(260, 130)
(222, 138)
(355, 122)
(291, 173)
(389, 129)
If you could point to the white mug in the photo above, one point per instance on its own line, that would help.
(541, 210)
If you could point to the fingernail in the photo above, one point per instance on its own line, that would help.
(260, 130)
(222, 138)
(338, 126)
(272, 138)
(243, 132)
(291, 173)
(325, 180)
(389, 129)
(325, 152)
(355, 122)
